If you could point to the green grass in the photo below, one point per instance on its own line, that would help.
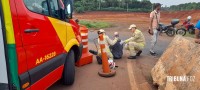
(190, 35)
(95, 24)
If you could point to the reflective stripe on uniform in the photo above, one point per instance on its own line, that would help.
(104, 50)
(142, 44)
(102, 42)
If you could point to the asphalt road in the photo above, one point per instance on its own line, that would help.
(131, 74)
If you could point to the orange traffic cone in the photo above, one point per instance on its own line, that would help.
(106, 72)
(86, 56)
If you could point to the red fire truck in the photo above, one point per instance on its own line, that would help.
(39, 44)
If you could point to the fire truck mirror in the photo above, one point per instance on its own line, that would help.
(69, 9)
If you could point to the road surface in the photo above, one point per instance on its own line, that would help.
(131, 74)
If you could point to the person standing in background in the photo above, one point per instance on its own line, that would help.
(154, 26)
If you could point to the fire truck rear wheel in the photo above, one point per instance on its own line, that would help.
(69, 69)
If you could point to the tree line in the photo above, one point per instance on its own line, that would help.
(183, 7)
(113, 5)
(127, 5)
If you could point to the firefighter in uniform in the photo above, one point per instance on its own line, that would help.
(108, 42)
(136, 43)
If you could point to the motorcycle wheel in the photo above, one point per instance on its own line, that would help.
(181, 32)
(170, 32)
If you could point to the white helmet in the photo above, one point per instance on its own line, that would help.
(102, 31)
(132, 26)
(189, 17)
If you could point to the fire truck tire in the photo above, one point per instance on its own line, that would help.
(69, 69)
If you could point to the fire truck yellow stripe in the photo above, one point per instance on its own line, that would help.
(11, 48)
(61, 29)
(71, 43)
(65, 33)
(8, 22)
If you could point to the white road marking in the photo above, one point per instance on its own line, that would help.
(131, 76)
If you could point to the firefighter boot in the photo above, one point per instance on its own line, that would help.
(139, 52)
(132, 57)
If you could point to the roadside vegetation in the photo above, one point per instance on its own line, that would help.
(128, 6)
(183, 7)
(113, 5)
(190, 35)
(95, 24)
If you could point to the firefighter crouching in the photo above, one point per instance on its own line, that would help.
(136, 43)
(108, 42)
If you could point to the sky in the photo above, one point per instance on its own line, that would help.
(173, 2)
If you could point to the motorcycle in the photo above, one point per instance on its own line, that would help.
(170, 30)
(184, 28)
